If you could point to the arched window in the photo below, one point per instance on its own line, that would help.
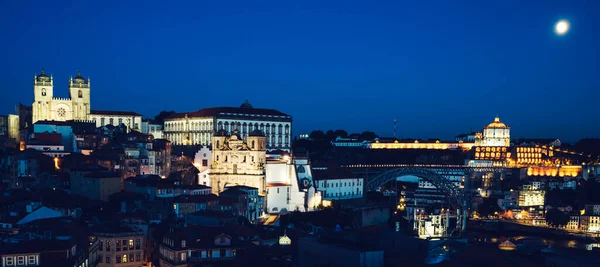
(43, 91)
(80, 94)
(252, 144)
(111, 121)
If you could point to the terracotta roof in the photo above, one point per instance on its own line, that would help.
(110, 112)
(277, 184)
(213, 112)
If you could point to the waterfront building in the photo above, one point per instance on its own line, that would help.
(530, 196)
(197, 128)
(590, 223)
(48, 107)
(237, 161)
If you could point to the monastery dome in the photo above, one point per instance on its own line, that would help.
(497, 124)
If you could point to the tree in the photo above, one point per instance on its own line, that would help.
(366, 135)
(330, 135)
(317, 135)
(556, 218)
(160, 118)
(341, 133)
(488, 207)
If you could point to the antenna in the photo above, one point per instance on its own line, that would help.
(394, 128)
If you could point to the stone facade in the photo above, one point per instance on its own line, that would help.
(47, 107)
(237, 161)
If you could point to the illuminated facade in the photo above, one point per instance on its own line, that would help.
(560, 171)
(237, 161)
(422, 145)
(197, 128)
(289, 186)
(120, 247)
(47, 107)
(530, 197)
(494, 134)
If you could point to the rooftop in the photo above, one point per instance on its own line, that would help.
(229, 111)
(111, 112)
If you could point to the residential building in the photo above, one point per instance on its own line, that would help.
(47, 107)
(203, 161)
(238, 161)
(197, 128)
(97, 185)
(290, 185)
(153, 187)
(589, 223)
(152, 128)
(120, 246)
(250, 203)
(573, 223)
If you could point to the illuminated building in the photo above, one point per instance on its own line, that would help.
(416, 144)
(290, 185)
(47, 107)
(337, 183)
(590, 223)
(120, 246)
(530, 197)
(197, 128)
(560, 171)
(132, 120)
(494, 134)
(237, 161)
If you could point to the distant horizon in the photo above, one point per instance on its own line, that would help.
(439, 68)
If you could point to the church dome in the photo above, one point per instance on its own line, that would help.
(256, 132)
(42, 77)
(246, 105)
(497, 124)
(79, 79)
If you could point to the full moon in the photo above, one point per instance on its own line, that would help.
(561, 27)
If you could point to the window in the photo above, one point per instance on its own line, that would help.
(182, 256)
(100, 245)
(80, 94)
(111, 121)
(21, 260)
(131, 244)
(118, 259)
(124, 258)
(43, 91)
(138, 243)
(31, 260)
(107, 245)
(120, 121)
(252, 144)
(118, 245)
(138, 257)
(203, 254)
(130, 257)
(234, 168)
(205, 162)
(124, 245)
(107, 259)
(215, 253)
(9, 261)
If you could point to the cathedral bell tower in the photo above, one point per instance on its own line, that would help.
(43, 92)
(79, 89)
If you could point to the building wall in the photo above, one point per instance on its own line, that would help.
(529, 198)
(95, 188)
(199, 130)
(108, 254)
(133, 122)
(238, 162)
(336, 189)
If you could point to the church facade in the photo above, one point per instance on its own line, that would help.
(47, 107)
(237, 161)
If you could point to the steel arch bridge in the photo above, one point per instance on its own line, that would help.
(456, 197)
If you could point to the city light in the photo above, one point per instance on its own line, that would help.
(562, 27)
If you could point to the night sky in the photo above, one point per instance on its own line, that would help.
(440, 68)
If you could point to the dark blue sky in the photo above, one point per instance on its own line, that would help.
(439, 67)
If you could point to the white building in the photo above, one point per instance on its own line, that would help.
(337, 183)
(47, 107)
(197, 128)
(573, 223)
(203, 161)
(153, 128)
(289, 186)
(132, 120)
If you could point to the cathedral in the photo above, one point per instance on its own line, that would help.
(47, 107)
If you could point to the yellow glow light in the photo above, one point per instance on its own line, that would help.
(561, 27)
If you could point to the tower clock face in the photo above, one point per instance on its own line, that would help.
(62, 112)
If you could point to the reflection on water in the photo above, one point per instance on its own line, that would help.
(536, 241)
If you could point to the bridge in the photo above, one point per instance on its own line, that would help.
(443, 177)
